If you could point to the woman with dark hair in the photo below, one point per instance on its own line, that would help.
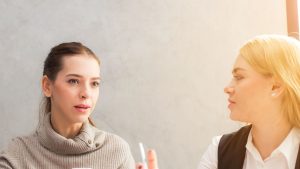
(66, 136)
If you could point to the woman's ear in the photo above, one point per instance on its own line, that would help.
(277, 88)
(46, 86)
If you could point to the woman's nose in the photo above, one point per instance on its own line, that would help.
(228, 90)
(85, 92)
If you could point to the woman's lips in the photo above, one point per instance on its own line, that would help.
(231, 103)
(82, 108)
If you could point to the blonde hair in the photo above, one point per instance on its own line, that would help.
(278, 56)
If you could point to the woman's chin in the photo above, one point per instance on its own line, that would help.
(80, 119)
(234, 116)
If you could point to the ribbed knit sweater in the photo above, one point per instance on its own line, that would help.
(46, 149)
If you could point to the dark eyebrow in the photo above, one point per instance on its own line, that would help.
(235, 70)
(79, 76)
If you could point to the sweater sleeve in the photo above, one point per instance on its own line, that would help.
(128, 162)
(10, 156)
(4, 163)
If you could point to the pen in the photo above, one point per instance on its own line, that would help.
(142, 150)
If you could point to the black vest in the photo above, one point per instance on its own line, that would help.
(232, 150)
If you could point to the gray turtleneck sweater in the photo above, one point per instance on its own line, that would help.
(46, 149)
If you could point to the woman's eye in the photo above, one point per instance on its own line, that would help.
(237, 77)
(73, 81)
(95, 84)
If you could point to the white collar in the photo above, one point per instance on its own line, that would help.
(288, 148)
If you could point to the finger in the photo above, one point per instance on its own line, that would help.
(139, 166)
(152, 159)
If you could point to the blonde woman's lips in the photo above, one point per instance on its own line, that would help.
(231, 103)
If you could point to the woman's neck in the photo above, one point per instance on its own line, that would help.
(268, 136)
(65, 129)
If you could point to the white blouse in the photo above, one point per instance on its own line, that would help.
(283, 157)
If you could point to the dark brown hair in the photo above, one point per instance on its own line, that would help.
(54, 63)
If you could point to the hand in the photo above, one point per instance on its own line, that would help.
(152, 161)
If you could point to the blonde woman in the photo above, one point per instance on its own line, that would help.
(264, 92)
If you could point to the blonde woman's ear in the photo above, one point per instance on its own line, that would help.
(46, 86)
(277, 88)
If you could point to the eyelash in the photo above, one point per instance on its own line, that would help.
(96, 84)
(236, 77)
(75, 81)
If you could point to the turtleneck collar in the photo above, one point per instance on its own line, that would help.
(89, 139)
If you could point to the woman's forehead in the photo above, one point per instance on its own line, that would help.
(81, 65)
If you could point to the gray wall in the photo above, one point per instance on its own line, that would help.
(164, 65)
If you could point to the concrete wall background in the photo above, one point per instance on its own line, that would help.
(164, 65)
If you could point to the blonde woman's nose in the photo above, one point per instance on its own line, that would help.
(228, 90)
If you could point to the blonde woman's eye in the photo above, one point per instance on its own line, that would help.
(73, 81)
(237, 77)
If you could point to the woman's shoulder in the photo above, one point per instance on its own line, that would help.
(15, 149)
(18, 144)
(116, 148)
(210, 156)
(110, 140)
